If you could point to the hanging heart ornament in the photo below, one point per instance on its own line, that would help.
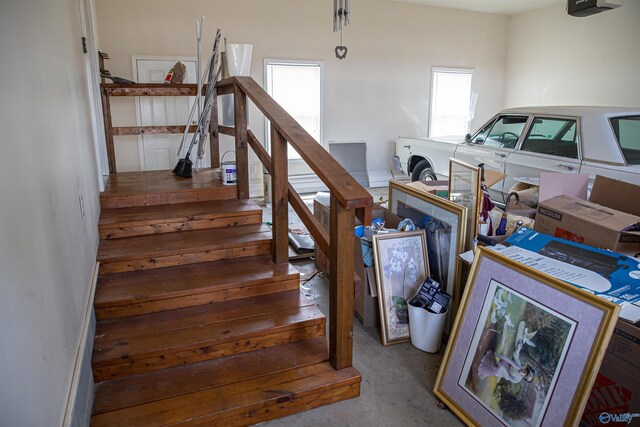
(341, 52)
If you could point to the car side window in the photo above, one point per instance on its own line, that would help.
(503, 132)
(553, 136)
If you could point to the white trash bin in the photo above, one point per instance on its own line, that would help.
(426, 328)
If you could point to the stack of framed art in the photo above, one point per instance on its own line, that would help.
(525, 347)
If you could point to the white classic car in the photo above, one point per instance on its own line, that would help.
(522, 142)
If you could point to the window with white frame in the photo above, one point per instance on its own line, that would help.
(297, 87)
(450, 101)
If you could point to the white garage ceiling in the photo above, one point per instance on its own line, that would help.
(504, 7)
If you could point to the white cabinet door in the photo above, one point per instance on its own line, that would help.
(159, 152)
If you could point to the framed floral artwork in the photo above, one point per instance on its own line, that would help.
(464, 189)
(401, 267)
(526, 347)
(445, 225)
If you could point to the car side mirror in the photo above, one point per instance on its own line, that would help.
(467, 138)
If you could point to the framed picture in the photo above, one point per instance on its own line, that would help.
(445, 225)
(526, 347)
(464, 189)
(401, 267)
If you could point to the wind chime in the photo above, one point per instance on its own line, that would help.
(341, 18)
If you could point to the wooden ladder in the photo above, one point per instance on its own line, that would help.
(195, 324)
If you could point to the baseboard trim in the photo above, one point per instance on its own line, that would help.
(80, 398)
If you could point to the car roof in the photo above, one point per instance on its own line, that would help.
(581, 111)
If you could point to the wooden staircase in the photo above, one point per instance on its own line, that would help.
(196, 324)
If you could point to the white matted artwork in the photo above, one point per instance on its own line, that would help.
(401, 267)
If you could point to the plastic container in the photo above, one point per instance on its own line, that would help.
(228, 169)
(239, 59)
(426, 328)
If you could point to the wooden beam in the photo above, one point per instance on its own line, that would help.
(242, 153)
(150, 130)
(214, 137)
(151, 89)
(341, 285)
(279, 202)
(108, 131)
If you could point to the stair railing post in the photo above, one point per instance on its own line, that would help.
(242, 152)
(214, 135)
(279, 198)
(108, 129)
(342, 223)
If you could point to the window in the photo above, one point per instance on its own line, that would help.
(627, 130)
(503, 132)
(450, 102)
(297, 87)
(553, 136)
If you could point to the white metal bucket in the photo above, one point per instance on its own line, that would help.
(239, 59)
(228, 170)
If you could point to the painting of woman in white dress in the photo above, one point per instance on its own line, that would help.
(516, 354)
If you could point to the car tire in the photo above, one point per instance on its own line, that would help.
(423, 172)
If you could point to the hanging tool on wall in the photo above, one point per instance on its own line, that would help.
(184, 166)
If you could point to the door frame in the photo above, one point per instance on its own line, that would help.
(134, 67)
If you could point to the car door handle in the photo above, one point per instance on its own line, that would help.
(408, 147)
(567, 167)
(504, 156)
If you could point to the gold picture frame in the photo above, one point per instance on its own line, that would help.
(401, 266)
(445, 225)
(525, 346)
(464, 189)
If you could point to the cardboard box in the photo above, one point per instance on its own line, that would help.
(616, 391)
(609, 275)
(593, 222)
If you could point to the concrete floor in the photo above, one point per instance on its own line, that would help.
(397, 380)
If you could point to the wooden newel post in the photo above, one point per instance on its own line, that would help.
(214, 136)
(242, 153)
(108, 130)
(341, 285)
(279, 198)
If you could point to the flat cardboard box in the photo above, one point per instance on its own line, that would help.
(438, 188)
(609, 275)
(619, 195)
(617, 390)
(586, 222)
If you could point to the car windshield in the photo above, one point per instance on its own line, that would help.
(627, 130)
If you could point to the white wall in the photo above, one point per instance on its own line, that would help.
(47, 250)
(380, 91)
(556, 59)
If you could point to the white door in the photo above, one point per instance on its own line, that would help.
(159, 152)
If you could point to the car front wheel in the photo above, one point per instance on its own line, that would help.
(423, 172)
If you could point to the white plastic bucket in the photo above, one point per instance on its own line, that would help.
(228, 169)
(426, 328)
(239, 59)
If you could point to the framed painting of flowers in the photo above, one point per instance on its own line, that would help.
(401, 266)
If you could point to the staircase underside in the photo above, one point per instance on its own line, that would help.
(196, 324)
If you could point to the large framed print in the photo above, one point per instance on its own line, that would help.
(401, 267)
(464, 189)
(526, 347)
(445, 225)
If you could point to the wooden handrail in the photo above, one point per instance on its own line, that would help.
(348, 199)
(339, 181)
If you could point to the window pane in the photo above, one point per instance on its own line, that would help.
(450, 102)
(506, 131)
(296, 87)
(556, 137)
(627, 130)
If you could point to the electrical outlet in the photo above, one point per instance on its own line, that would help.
(81, 200)
(253, 168)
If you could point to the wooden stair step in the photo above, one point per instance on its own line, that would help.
(166, 250)
(148, 291)
(246, 402)
(134, 345)
(169, 383)
(140, 221)
(151, 188)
